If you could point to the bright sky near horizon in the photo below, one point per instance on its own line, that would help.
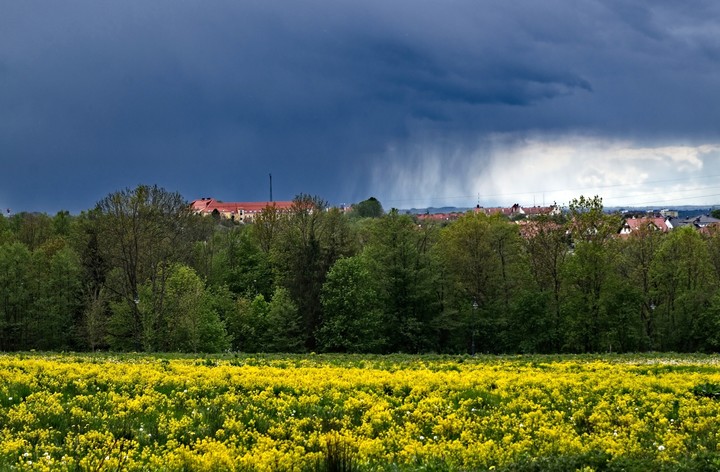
(415, 102)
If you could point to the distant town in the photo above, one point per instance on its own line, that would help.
(632, 218)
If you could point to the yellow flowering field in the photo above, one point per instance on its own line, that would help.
(318, 412)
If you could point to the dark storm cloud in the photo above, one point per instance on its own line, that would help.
(208, 97)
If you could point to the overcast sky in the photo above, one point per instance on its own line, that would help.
(415, 102)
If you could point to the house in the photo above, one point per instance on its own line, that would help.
(552, 210)
(495, 210)
(516, 211)
(241, 212)
(696, 222)
(633, 224)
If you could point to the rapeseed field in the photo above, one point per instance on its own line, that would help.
(323, 412)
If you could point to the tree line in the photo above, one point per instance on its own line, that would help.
(142, 272)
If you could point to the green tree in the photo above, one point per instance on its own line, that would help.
(93, 330)
(233, 258)
(58, 299)
(16, 296)
(587, 276)
(399, 260)
(141, 233)
(639, 250)
(284, 326)
(685, 284)
(247, 324)
(6, 233)
(193, 323)
(184, 319)
(34, 229)
(62, 223)
(84, 239)
(266, 226)
(352, 318)
(484, 264)
(310, 240)
(261, 326)
(709, 323)
(712, 234)
(547, 247)
(370, 208)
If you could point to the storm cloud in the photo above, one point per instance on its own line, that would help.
(414, 102)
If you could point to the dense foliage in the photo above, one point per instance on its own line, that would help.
(141, 272)
(351, 412)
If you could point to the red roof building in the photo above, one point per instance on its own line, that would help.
(516, 211)
(236, 211)
(634, 224)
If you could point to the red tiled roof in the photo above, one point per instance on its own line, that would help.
(208, 205)
(200, 205)
(633, 224)
(636, 223)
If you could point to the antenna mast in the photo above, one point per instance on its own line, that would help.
(271, 188)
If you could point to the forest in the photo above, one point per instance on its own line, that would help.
(141, 272)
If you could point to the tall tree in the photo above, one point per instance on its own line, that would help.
(685, 284)
(275, 326)
(712, 233)
(266, 227)
(16, 296)
(588, 273)
(185, 319)
(84, 240)
(284, 326)
(247, 324)
(92, 328)
(639, 250)
(352, 316)
(483, 259)
(233, 258)
(310, 241)
(7, 235)
(58, 299)
(370, 208)
(34, 229)
(62, 223)
(399, 255)
(547, 247)
(141, 232)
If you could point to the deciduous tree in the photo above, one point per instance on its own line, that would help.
(310, 241)
(685, 284)
(141, 232)
(588, 275)
(370, 208)
(399, 256)
(352, 315)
